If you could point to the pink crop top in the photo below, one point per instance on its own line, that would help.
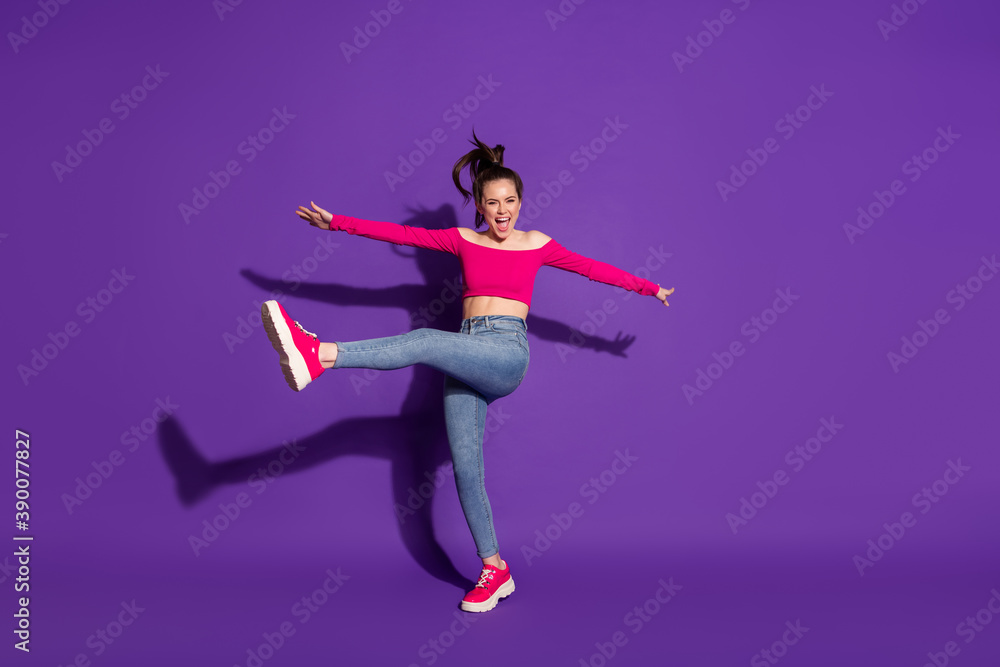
(490, 271)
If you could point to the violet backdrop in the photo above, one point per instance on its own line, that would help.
(691, 485)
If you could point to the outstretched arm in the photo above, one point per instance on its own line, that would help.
(561, 258)
(434, 239)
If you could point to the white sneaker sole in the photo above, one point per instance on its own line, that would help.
(293, 364)
(506, 588)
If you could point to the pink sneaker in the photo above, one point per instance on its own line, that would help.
(493, 584)
(298, 349)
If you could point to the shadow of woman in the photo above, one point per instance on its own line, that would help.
(414, 441)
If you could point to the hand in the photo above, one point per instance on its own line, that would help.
(663, 294)
(317, 217)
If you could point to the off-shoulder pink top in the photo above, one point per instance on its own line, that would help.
(488, 271)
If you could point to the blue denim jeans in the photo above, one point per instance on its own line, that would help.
(484, 362)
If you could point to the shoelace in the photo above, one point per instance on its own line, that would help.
(487, 575)
(303, 330)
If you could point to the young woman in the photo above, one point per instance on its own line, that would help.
(487, 359)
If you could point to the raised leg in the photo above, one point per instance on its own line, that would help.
(491, 365)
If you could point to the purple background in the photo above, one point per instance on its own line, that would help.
(371, 441)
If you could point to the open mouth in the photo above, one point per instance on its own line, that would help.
(502, 223)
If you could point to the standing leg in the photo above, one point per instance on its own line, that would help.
(465, 417)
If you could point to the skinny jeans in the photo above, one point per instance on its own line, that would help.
(485, 361)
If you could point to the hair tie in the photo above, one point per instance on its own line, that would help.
(493, 164)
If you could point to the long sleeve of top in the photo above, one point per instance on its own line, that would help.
(561, 258)
(433, 239)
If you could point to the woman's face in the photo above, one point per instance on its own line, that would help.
(500, 206)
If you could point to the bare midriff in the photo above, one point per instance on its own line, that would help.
(477, 306)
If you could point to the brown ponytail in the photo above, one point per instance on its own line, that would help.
(482, 171)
